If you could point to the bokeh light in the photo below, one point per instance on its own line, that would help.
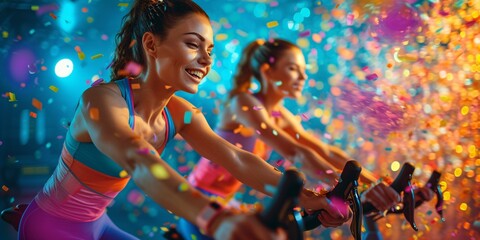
(64, 68)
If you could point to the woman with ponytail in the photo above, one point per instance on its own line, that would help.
(255, 120)
(120, 129)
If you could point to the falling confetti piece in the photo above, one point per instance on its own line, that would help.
(372, 77)
(276, 114)
(238, 129)
(132, 68)
(81, 55)
(272, 24)
(123, 174)
(98, 82)
(183, 187)
(305, 116)
(270, 188)
(5, 34)
(37, 104)
(242, 33)
(135, 197)
(5, 188)
(221, 37)
(122, 4)
(350, 18)
(143, 151)
(94, 114)
(132, 43)
(304, 34)
(135, 86)
(159, 171)
(12, 97)
(54, 17)
(96, 56)
(33, 115)
(53, 88)
(187, 117)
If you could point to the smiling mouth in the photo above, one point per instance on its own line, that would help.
(195, 74)
(298, 87)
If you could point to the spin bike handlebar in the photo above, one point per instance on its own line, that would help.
(432, 184)
(346, 189)
(401, 184)
(281, 213)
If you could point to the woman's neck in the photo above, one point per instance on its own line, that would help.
(271, 101)
(150, 98)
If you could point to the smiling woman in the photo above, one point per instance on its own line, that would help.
(120, 128)
(254, 121)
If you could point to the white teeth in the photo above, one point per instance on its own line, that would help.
(196, 73)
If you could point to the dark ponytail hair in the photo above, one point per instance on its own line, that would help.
(155, 16)
(254, 55)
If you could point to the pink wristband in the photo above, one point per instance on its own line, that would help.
(207, 215)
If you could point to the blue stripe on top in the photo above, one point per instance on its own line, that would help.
(88, 154)
(170, 124)
(126, 91)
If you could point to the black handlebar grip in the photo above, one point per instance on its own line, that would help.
(283, 201)
(346, 188)
(433, 184)
(402, 184)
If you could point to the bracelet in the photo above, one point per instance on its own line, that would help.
(206, 216)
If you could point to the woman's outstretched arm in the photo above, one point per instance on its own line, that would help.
(334, 155)
(243, 165)
(104, 115)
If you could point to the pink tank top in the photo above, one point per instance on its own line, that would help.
(215, 179)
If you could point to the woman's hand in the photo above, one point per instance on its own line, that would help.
(243, 226)
(381, 196)
(423, 194)
(334, 212)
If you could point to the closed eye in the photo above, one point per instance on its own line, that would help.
(192, 45)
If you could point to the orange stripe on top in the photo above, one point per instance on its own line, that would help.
(94, 179)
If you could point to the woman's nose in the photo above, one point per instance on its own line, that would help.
(205, 59)
(303, 75)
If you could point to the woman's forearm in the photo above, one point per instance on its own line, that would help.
(254, 172)
(165, 186)
(337, 158)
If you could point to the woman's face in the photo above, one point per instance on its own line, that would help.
(288, 75)
(183, 58)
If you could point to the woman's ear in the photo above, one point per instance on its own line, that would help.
(148, 43)
(264, 70)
